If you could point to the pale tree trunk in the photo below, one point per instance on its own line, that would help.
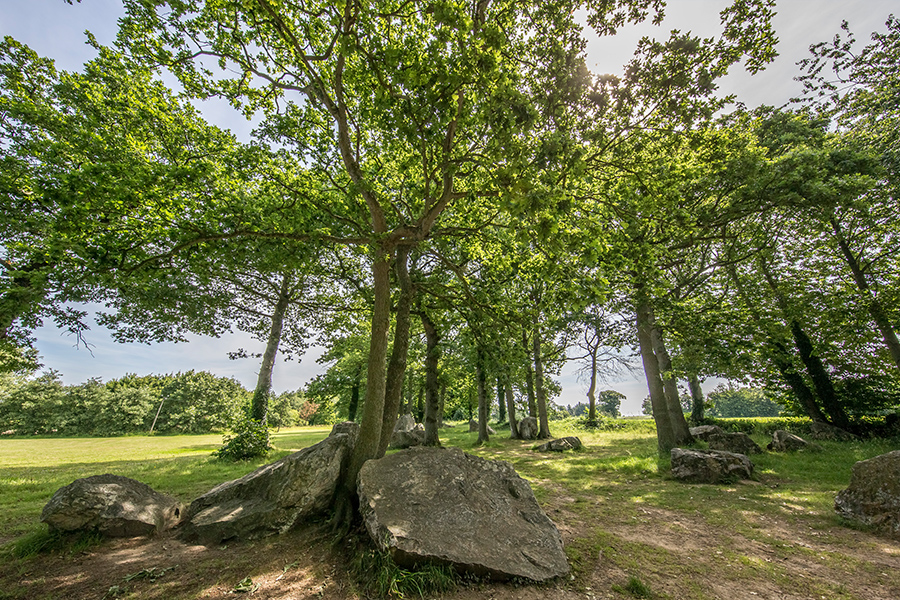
(544, 431)
(529, 376)
(259, 408)
(592, 389)
(698, 405)
(483, 404)
(877, 312)
(680, 428)
(432, 402)
(397, 365)
(665, 435)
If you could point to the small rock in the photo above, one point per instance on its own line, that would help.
(738, 443)
(473, 427)
(873, 497)
(560, 445)
(115, 506)
(785, 441)
(709, 466)
(826, 431)
(447, 507)
(702, 432)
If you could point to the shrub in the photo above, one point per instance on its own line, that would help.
(250, 440)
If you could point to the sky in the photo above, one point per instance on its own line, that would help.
(56, 29)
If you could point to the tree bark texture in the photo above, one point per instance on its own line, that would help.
(698, 404)
(432, 402)
(529, 376)
(680, 428)
(501, 401)
(511, 408)
(592, 389)
(665, 435)
(483, 403)
(397, 365)
(540, 393)
(259, 408)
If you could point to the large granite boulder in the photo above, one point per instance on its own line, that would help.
(115, 506)
(528, 428)
(407, 439)
(405, 422)
(873, 497)
(827, 431)
(434, 505)
(473, 427)
(738, 443)
(709, 466)
(275, 497)
(785, 441)
(560, 445)
(702, 432)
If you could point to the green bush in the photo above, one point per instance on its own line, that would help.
(250, 440)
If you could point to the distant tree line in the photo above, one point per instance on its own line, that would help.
(190, 402)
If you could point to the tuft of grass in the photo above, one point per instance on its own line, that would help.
(44, 541)
(378, 575)
(635, 587)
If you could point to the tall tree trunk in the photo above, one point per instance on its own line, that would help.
(680, 428)
(544, 422)
(665, 435)
(511, 407)
(410, 396)
(592, 389)
(813, 363)
(781, 357)
(698, 404)
(432, 402)
(369, 438)
(529, 376)
(397, 365)
(354, 395)
(259, 407)
(820, 377)
(483, 403)
(877, 312)
(501, 401)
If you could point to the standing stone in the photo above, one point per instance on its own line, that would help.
(709, 466)
(407, 439)
(738, 443)
(560, 445)
(447, 507)
(275, 497)
(405, 423)
(873, 497)
(528, 428)
(115, 506)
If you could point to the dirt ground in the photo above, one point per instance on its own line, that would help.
(676, 554)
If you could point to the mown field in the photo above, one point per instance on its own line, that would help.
(629, 529)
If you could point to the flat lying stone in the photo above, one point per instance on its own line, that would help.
(738, 443)
(275, 497)
(115, 506)
(561, 445)
(709, 466)
(873, 497)
(434, 505)
(702, 432)
(785, 441)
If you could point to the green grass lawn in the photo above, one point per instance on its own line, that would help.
(32, 469)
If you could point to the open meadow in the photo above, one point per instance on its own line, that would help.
(629, 529)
